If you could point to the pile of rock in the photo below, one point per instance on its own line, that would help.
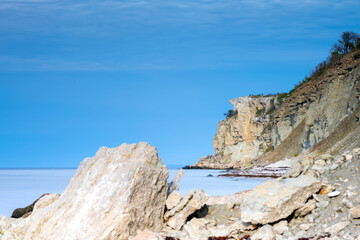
(122, 193)
(312, 200)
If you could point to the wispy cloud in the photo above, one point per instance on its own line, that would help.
(146, 34)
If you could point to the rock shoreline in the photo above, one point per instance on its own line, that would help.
(123, 194)
(322, 114)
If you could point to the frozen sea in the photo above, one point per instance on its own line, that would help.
(20, 187)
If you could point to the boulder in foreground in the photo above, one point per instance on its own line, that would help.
(113, 195)
(277, 199)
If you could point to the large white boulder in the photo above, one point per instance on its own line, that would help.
(113, 195)
(277, 199)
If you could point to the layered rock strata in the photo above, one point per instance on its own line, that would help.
(267, 129)
(241, 137)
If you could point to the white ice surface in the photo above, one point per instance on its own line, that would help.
(214, 186)
(20, 187)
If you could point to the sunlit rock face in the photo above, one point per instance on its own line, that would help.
(266, 129)
(113, 195)
(277, 199)
(241, 137)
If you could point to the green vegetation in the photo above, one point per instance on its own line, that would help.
(259, 112)
(267, 129)
(343, 46)
(261, 95)
(281, 97)
(268, 149)
(230, 113)
(272, 107)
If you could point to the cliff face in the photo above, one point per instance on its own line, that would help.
(242, 137)
(267, 129)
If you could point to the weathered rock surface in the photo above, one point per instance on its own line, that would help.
(281, 227)
(176, 217)
(321, 112)
(174, 185)
(355, 212)
(173, 199)
(277, 199)
(241, 138)
(266, 232)
(112, 196)
(306, 208)
(147, 235)
(26, 211)
(317, 217)
(336, 228)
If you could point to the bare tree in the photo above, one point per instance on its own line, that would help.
(346, 43)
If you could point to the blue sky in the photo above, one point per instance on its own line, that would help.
(77, 75)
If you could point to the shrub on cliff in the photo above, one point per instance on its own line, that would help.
(230, 113)
(259, 112)
(281, 97)
(346, 43)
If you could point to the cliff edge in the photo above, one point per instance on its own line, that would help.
(320, 115)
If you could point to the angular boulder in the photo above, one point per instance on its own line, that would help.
(277, 199)
(192, 201)
(113, 195)
(174, 185)
(264, 233)
(173, 199)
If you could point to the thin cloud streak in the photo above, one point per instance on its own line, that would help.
(159, 35)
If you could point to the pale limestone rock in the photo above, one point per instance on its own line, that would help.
(355, 212)
(147, 235)
(281, 227)
(320, 162)
(241, 138)
(304, 210)
(295, 169)
(277, 199)
(309, 115)
(305, 226)
(196, 229)
(266, 232)
(181, 205)
(232, 198)
(348, 157)
(174, 185)
(178, 216)
(356, 150)
(112, 196)
(333, 194)
(173, 199)
(46, 201)
(336, 228)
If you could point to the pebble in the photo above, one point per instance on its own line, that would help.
(304, 227)
(336, 228)
(334, 194)
(355, 212)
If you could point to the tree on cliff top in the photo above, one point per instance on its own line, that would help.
(346, 43)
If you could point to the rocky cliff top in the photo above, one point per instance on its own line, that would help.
(265, 129)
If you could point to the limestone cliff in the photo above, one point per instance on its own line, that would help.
(243, 136)
(267, 129)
